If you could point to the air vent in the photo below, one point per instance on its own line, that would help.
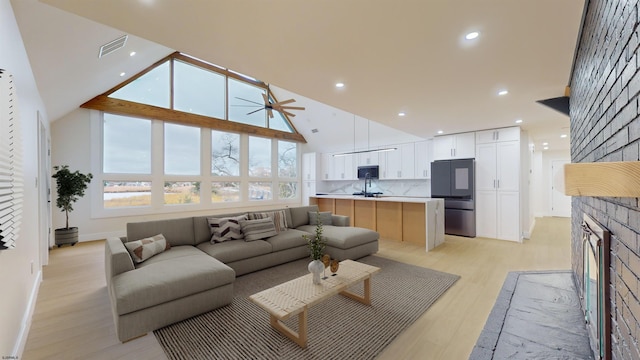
(112, 46)
(314, 130)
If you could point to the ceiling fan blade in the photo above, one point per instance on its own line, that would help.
(266, 99)
(249, 101)
(285, 102)
(288, 113)
(292, 107)
(270, 113)
(254, 111)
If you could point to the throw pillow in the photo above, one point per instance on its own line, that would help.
(279, 218)
(258, 229)
(325, 218)
(228, 228)
(143, 249)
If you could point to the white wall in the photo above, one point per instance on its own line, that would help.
(19, 282)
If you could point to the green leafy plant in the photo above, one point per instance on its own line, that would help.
(70, 187)
(317, 242)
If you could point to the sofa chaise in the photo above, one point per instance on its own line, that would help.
(191, 274)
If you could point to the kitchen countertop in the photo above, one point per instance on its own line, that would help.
(382, 198)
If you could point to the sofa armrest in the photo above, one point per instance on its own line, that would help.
(339, 220)
(117, 259)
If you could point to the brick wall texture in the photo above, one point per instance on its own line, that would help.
(605, 126)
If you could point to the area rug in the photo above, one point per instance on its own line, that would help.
(338, 328)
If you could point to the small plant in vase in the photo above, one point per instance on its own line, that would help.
(316, 250)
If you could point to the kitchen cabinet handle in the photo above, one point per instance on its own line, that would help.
(497, 135)
(400, 173)
(494, 183)
(498, 184)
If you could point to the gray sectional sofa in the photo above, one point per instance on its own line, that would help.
(195, 275)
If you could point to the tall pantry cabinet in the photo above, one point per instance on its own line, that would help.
(311, 171)
(498, 184)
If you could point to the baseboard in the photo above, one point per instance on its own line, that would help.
(100, 236)
(28, 317)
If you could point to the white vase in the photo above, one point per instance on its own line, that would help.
(316, 267)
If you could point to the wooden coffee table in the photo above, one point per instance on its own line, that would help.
(295, 297)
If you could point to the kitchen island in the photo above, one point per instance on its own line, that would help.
(412, 219)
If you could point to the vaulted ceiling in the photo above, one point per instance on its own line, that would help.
(392, 56)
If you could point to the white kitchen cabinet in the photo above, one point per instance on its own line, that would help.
(457, 146)
(368, 158)
(308, 189)
(326, 166)
(311, 166)
(423, 157)
(497, 190)
(498, 135)
(338, 167)
(399, 163)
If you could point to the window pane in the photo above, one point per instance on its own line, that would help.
(288, 190)
(278, 122)
(287, 159)
(225, 154)
(260, 191)
(181, 192)
(126, 193)
(259, 157)
(223, 191)
(244, 99)
(181, 149)
(127, 145)
(197, 90)
(152, 88)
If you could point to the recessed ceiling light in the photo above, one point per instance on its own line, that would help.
(472, 35)
(563, 136)
(545, 148)
(503, 92)
(401, 114)
(132, 53)
(339, 85)
(440, 132)
(123, 73)
(519, 121)
(545, 143)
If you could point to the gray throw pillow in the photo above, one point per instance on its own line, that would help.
(325, 218)
(258, 229)
(279, 218)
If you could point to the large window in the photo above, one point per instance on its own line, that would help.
(198, 91)
(287, 159)
(225, 153)
(246, 104)
(181, 150)
(127, 145)
(152, 88)
(259, 157)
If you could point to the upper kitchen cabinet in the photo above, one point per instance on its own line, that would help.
(399, 163)
(498, 135)
(311, 167)
(368, 158)
(457, 146)
(340, 167)
(423, 157)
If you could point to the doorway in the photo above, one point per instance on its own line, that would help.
(560, 203)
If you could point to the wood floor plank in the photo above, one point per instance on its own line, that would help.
(73, 320)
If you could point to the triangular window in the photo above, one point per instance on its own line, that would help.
(202, 94)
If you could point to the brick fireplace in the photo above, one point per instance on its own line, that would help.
(605, 127)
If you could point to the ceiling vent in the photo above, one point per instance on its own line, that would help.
(314, 130)
(112, 46)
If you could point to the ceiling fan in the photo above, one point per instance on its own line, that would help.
(280, 106)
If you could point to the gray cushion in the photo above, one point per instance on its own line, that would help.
(176, 231)
(343, 237)
(258, 229)
(325, 218)
(300, 215)
(288, 239)
(176, 252)
(168, 280)
(234, 250)
(278, 217)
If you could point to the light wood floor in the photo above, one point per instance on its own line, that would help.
(72, 319)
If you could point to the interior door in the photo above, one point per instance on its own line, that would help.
(44, 192)
(560, 203)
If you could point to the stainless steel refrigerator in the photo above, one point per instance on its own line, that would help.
(453, 180)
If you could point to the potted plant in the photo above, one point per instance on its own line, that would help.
(316, 249)
(70, 187)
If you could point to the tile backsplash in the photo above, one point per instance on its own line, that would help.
(412, 188)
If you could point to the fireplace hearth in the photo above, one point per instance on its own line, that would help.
(595, 286)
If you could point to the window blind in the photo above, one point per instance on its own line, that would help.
(11, 177)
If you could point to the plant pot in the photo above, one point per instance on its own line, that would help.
(316, 267)
(66, 236)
